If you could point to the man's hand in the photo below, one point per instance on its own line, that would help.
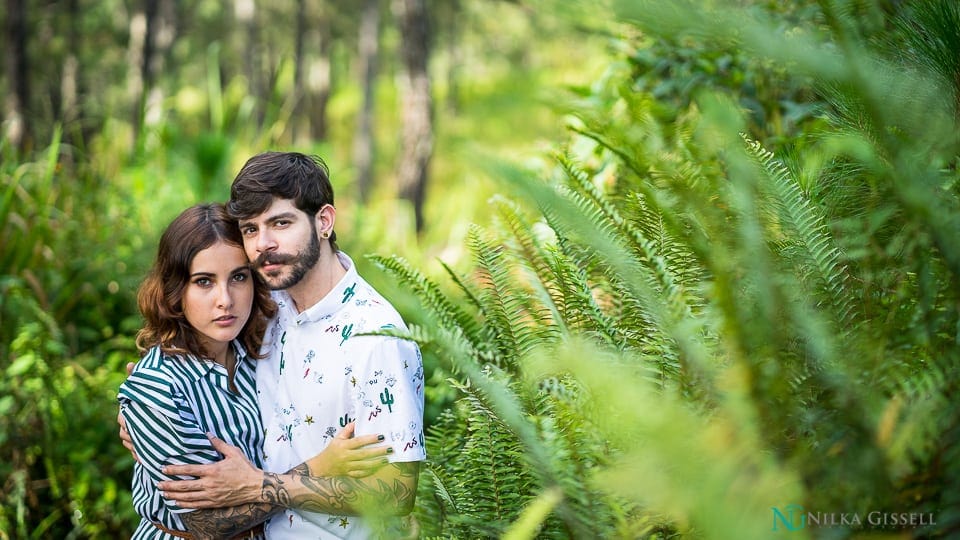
(124, 434)
(346, 455)
(232, 481)
(125, 437)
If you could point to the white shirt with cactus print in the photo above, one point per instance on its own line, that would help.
(319, 375)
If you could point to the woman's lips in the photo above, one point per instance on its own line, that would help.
(226, 320)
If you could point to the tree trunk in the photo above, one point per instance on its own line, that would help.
(363, 143)
(321, 76)
(135, 46)
(452, 29)
(417, 109)
(299, 91)
(151, 35)
(245, 12)
(17, 100)
(151, 10)
(71, 86)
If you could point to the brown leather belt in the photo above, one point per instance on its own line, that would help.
(247, 534)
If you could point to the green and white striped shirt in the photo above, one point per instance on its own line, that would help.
(170, 403)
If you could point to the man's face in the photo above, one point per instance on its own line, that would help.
(281, 243)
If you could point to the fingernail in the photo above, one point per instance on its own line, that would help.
(379, 437)
(390, 450)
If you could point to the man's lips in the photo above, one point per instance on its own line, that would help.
(271, 261)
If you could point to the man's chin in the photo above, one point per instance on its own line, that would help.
(274, 279)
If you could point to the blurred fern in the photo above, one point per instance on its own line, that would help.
(681, 330)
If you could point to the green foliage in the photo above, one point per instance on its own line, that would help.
(682, 330)
(735, 288)
(61, 355)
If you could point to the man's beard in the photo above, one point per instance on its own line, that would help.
(300, 264)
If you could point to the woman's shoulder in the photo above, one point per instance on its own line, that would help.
(158, 369)
(157, 363)
(155, 381)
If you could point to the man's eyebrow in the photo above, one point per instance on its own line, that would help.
(272, 219)
(282, 215)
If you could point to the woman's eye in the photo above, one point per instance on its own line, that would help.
(240, 277)
(202, 282)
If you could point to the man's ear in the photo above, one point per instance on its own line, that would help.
(326, 219)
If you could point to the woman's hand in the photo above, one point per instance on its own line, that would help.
(351, 456)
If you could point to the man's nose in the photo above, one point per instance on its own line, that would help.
(266, 241)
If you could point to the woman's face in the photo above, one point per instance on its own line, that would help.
(219, 295)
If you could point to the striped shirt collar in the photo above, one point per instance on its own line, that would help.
(197, 368)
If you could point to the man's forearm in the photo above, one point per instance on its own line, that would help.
(218, 523)
(390, 491)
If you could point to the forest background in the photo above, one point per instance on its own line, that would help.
(678, 269)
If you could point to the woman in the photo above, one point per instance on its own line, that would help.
(205, 313)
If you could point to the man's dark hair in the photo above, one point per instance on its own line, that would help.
(286, 175)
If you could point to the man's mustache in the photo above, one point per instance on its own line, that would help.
(272, 258)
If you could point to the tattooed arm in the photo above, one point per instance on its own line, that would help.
(216, 523)
(340, 480)
(391, 491)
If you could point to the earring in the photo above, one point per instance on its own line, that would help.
(325, 235)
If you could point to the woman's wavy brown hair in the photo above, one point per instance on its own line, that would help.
(160, 297)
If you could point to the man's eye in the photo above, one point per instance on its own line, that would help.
(247, 231)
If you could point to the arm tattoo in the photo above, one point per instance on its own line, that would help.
(227, 522)
(342, 495)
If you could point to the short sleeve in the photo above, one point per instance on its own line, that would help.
(391, 403)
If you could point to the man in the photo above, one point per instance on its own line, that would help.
(320, 373)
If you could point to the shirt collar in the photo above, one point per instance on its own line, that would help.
(198, 368)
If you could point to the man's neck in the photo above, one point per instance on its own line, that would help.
(318, 281)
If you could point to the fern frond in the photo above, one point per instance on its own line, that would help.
(505, 300)
(820, 257)
(445, 312)
(624, 281)
(451, 346)
(465, 287)
(531, 255)
(590, 199)
(487, 478)
(577, 305)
